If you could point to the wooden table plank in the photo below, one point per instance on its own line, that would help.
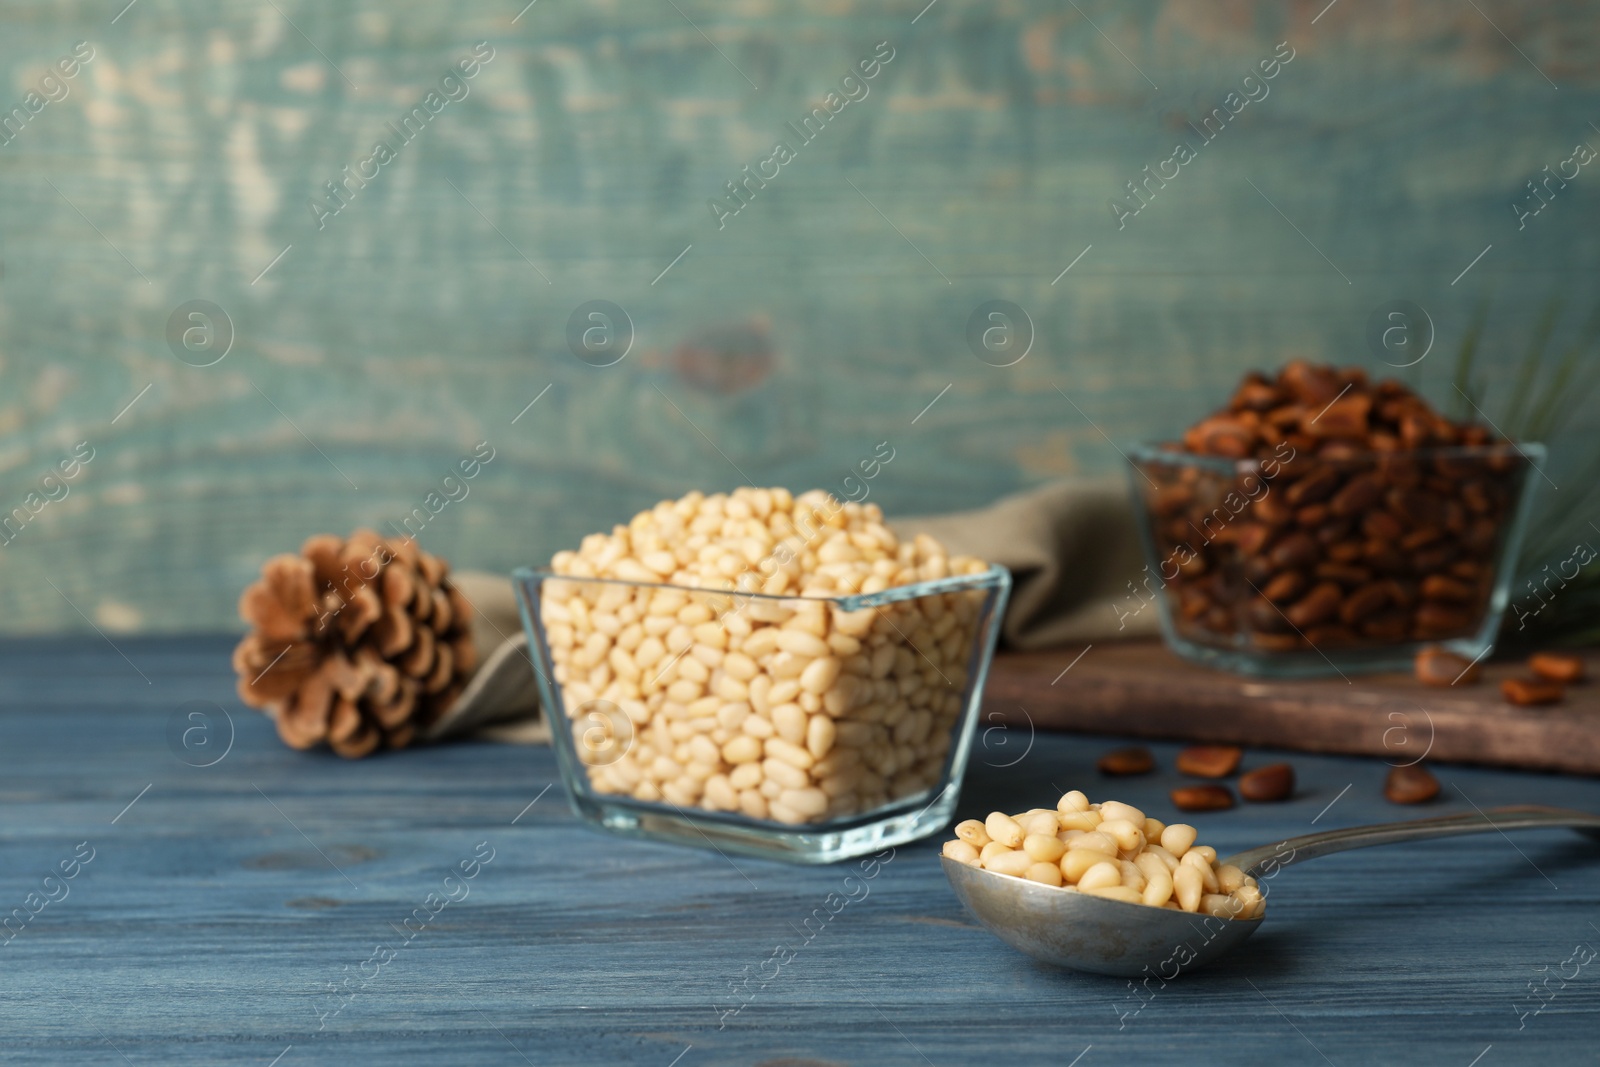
(1140, 688)
(212, 918)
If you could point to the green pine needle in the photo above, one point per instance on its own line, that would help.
(1468, 394)
(1540, 407)
(1511, 421)
(1560, 401)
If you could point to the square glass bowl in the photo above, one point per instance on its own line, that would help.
(1325, 565)
(809, 729)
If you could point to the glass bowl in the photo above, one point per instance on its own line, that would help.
(1321, 565)
(810, 729)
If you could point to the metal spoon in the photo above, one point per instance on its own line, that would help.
(1089, 933)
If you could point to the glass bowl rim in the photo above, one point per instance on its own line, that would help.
(1151, 452)
(993, 577)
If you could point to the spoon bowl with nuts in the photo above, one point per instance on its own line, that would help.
(1165, 928)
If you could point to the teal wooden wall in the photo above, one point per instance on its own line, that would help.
(819, 321)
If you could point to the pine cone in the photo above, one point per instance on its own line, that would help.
(360, 643)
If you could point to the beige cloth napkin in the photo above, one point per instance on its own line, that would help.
(1072, 548)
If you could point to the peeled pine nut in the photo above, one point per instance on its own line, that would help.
(801, 643)
(752, 804)
(1117, 892)
(1008, 862)
(1102, 875)
(972, 831)
(821, 733)
(783, 691)
(1044, 848)
(1187, 886)
(1048, 873)
(1132, 876)
(1078, 860)
(1040, 822)
(1229, 878)
(993, 848)
(962, 852)
(1078, 820)
(793, 755)
(1208, 877)
(1177, 838)
(1167, 859)
(790, 722)
(783, 813)
(820, 675)
(1250, 896)
(1157, 888)
(1096, 841)
(1113, 809)
(1129, 838)
(720, 796)
(785, 775)
(809, 801)
(1004, 829)
(1073, 801)
(742, 749)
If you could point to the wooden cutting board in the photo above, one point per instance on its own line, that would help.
(1139, 688)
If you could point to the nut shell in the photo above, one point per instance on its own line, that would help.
(1410, 785)
(1202, 798)
(1209, 761)
(1126, 761)
(1437, 667)
(1272, 782)
(1527, 692)
(1557, 667)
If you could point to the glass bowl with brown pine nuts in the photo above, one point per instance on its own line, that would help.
(1111, 850)
(765, 673)
(1322, 524)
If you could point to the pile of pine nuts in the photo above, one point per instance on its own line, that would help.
(785, 709)
(1110, 850)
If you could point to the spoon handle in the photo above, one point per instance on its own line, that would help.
(1519, 817)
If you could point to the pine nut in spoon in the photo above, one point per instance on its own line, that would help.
(1105, 932)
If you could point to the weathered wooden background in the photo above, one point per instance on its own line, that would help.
(430, 311)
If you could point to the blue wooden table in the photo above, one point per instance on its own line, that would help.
(444, 905)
